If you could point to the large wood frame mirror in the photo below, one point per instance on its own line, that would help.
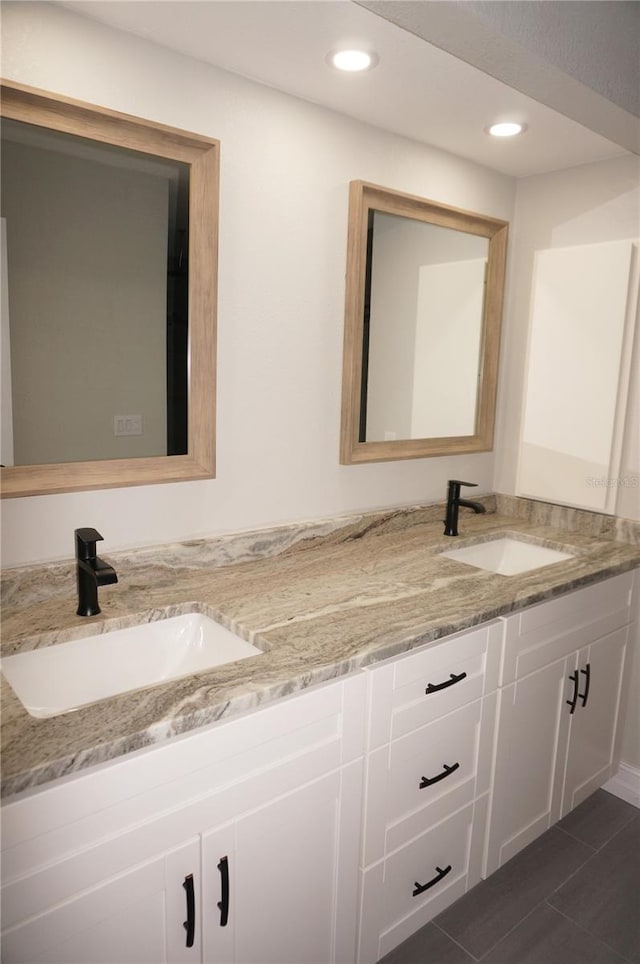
(166, 157)
(424, 293)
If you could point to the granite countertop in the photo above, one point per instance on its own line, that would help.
(320, 600)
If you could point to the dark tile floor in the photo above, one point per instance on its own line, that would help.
(571, 897)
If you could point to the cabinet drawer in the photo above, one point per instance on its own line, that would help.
(551, 630)
(438, 678)
(421, 778)
(413, 884)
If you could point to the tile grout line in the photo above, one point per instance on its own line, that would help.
(545, 901)
(512, 929)
(630, 818)
(594, 850)
(590, 933)
(539, 903)
(633, 816)
(457, 943)
(590, 857)
(576, 870)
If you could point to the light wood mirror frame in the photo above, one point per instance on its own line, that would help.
(201, 154)
(363, 198)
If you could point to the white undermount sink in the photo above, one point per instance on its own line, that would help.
(55, 679)
(507, 556)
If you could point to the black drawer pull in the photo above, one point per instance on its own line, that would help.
(420, 888)
(429, 781)
(223, 903)
(190, 923)
(585, 696)
(574, 699)
(434, 687)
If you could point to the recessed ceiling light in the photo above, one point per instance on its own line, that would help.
(352, 60)
(506, 129)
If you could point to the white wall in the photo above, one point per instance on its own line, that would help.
(584, 205)
(578, 326)
(286, 166)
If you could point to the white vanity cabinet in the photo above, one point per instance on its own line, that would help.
(326, 827)
(562, 686)
(275, 871)
(105, 866)
(132, 917)
(428, 766)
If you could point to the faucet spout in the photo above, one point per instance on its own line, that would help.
(91, 572)
(453, 505)
(476, 506)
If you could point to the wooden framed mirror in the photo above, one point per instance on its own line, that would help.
(144, 153)
(423, 308)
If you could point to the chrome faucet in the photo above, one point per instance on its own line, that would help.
(453, 504)
(91, 572)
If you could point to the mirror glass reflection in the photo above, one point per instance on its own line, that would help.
(422, 330)
(95, 291)
(423, 309)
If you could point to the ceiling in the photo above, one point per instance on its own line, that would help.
(418, 89)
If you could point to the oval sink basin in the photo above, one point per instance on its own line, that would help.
(507, 556)
(66, 676)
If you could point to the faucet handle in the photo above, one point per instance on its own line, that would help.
(472, 485)
(86, 539)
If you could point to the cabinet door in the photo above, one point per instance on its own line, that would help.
(600, 668)
(219, 897)
(532, 740)
(135, 918)
(282, 866)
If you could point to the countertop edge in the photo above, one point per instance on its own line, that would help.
(248, 702)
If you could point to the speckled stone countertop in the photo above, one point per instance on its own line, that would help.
(320, 599)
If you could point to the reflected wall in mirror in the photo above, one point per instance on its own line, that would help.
(424, 297)
(109, 296)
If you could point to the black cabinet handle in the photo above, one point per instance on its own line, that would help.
(420, 888)
(223, 903)
(574, 699)
(587, 683)
(429, 781)
(434, 687)
(190, 923)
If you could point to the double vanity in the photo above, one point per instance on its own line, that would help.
(403, 713)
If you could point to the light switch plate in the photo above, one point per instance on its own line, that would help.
(127, 424)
